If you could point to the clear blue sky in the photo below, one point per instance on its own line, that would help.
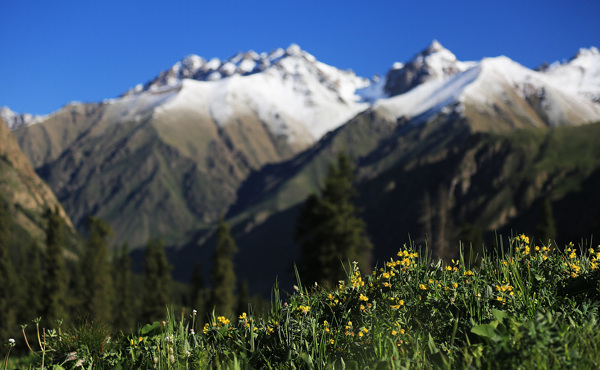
(54, 52)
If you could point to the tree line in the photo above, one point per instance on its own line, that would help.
(99, 286)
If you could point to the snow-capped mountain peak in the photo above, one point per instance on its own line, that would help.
(587, 52)
(242, 64)
(433, 63)
(580, 75)
(15, 120)
(293, 94)
(500, 87)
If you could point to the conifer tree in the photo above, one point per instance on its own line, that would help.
(329, 231)
(30, 269)
(198, 293)
(222, 275)
(157, 282)
(54, 294)
(7, 280)
(123, 295)
(546, 227)
(97, 287)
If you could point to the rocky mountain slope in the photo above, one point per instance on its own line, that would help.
(25, 194)
(184, 145)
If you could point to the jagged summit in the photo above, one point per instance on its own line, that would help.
(434, 47)
(581, 74)
(242, 64)
(15, 120)
(297, 97)
(433, 63)
(587, 52)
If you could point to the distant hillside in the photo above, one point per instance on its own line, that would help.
(425, 182)
(26, 196)
(496, 182)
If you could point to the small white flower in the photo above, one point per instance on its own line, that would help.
(11, 342)
(194, 312)
(192, 331)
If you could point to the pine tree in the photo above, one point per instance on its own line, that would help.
(222, 275)
(330, 233)
(546, 227)
(198, 293)
(157, 282)
(30, 269)
(97, 288)
(7, 280)
(54, 294)
(123, 295)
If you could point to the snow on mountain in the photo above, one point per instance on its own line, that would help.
(581, 74)
(300, 98)
(544, 92)
(290, 91)
(428, 97)
(489, 84)
(243, 64)
(297, 97)
(15, 120)
(435, 63)
(374, 91)
(136, 107)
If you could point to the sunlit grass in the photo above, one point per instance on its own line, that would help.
(526, 306)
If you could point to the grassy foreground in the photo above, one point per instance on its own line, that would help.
(532, 307)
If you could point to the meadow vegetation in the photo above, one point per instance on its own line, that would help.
(524, 305)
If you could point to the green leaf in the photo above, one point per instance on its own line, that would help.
(431, 344)
(499, 315)
(151, 329)
(486, 331)
(223, 330)
(307, 359)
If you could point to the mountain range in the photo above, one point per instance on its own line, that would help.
(438, 142)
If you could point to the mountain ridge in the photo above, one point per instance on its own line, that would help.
(169, 160)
